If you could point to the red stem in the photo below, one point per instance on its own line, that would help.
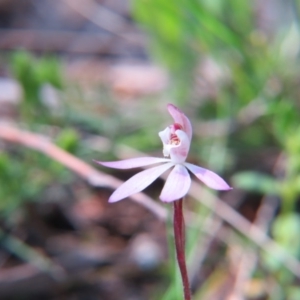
(179, 233)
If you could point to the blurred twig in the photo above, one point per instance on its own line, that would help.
(102, 17)
(29, 254)
(94, 177)
(26, 279)
(211, 226)
(251, 231)
(63, 41)
(247, 260)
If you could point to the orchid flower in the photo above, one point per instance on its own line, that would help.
(176, 140)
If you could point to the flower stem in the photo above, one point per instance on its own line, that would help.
(179, 234)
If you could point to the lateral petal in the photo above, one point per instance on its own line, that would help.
(208, 177)
(177, 184)
(133, 162)
(181, 118)
(138, 182)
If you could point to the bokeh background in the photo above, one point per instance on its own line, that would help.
(84, 80)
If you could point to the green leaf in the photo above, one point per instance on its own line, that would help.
(68, 139)
(286, 230)
(256, 182)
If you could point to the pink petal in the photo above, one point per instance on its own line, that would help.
(138, 182)
(179, 153)
(133, 162)
(210, 178)
(177, 184)
(180, 118)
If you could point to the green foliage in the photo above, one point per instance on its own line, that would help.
(185, 32)
(256, 182)
(32, 74)
(24, 173)
(20, 182)
(285, 231)
(68, 140)
(169, 25)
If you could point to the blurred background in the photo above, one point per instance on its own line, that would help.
(84, 80)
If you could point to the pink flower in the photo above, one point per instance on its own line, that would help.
(176, 140)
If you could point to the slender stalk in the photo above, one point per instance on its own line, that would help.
(179, 234)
